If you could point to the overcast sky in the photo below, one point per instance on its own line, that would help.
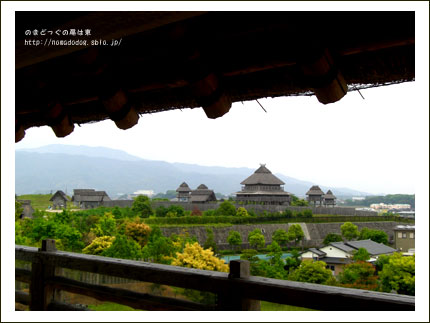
(366, 144)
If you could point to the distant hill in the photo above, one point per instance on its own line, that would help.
(53, 167)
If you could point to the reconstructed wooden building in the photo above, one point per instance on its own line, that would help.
(263, 187)
(202, 195)
(329, 198)
(89, 198)
(27, 209)
(59, 200)
(183, 192)
(315, 195)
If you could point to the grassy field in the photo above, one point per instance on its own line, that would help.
(40, 201)
(111, 307)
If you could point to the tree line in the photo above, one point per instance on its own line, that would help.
(123, 233)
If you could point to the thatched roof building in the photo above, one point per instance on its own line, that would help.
(89, 198)
(175, 60)
(263, 187)
(262, 176)
(183, 188)
(315, 195)
(202, 195)
(59, 200)
(315, 190)
(183, 192)
(329, 198)
(27, 209)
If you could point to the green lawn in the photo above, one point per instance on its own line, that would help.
(38, 201)
(110, 307)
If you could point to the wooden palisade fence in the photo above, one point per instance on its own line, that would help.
(235, 291)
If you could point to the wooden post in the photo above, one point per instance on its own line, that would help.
(234, 300)
(40, 293)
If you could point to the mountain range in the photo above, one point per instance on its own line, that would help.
(66, 167)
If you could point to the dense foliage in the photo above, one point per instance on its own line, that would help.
(349, 230)
(311, 272)
(126, 233)
(194, 256)
(374, 235)
(332, 237)
(234, 239)
(295, 201)
(399, 274)
(256, 239)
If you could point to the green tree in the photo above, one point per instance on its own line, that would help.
(226, 208)
(98, 245)
(374, 235)
(332, 237)
(210, 241)
(18, 210)
(106, 226)
(360, 275)
(295, 233)
(159, 249)
(177, 209)
(141, 206)
(242, 212)
(399, 274)
(292, 262)
(272, 268)
(311, 272)
(250, 255)
(160, 212)
(234, 239)
(307, 213)
(256, 239)
(295, 201)
(70, 238)
(280, 236)
(381, 261)
(125, 248)
(361, 255)
(288, 214)
(349, 230)
(116, 212)
(139, 232)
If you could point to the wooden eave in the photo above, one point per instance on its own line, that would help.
(176, 60)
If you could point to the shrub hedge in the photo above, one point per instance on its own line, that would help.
(268, 218)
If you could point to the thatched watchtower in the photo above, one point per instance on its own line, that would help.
(183, 192)
(315, 195)
(263, 187)
(202, 195)
(329, 198)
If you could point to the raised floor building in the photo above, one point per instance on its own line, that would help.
(263, 187)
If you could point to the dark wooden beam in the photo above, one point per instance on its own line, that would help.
(280, 291)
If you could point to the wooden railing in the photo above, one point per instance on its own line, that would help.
(235, 291)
